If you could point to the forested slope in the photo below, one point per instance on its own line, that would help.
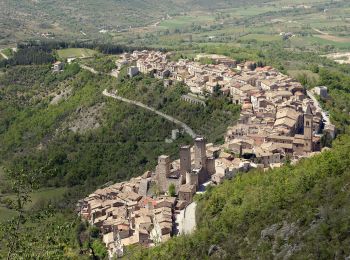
(297, 211)
(36, 131)
(63, 120)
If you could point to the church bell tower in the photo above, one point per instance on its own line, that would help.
(308, 129)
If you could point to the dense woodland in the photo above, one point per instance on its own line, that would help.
(31, 121)
(105, 48)
(43, 52)
(28, 56)
(244, 218)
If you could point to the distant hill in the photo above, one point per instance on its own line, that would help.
(20, 18)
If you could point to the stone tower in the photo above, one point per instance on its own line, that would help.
(211, 166)
(308, 129)
(185, 160)
(163, 172)
(164, 165)
(192, 177)
(200, 156)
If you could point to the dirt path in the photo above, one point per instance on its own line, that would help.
(320, 32)
(89, 69)
(330, 37)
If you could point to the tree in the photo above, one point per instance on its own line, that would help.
(14, 235)
(94, 232)
(171, 190)
(326, 140)
(21, 184)
(99, 249)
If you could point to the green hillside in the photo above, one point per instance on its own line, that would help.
(60, 129)
(107, 143)
(210, 121)
(71, 139)
(296, 212)
(60, 138)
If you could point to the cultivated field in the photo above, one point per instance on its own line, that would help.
(76, 53)
(319, 25)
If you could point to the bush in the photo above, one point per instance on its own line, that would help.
(171, 190)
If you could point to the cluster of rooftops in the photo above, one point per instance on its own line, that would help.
(278, 122)
(126, 215)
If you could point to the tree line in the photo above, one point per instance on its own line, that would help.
(42, 52)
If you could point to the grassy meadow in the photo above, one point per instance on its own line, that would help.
(38, 198)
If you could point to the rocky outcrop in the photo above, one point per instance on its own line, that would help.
(280, 235)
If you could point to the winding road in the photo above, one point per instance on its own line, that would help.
(3, 55)
(187, 129)
(14, 49)
(92, 70)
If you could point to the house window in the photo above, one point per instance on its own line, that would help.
(307, 123)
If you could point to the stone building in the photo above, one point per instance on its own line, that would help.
(133, 71)
(185, 161)
(189, 172)
(187, 192)
(321, 91)
(58, 66)
(308, 132)
(163, 172)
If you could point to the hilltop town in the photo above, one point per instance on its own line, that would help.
(279, 122)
